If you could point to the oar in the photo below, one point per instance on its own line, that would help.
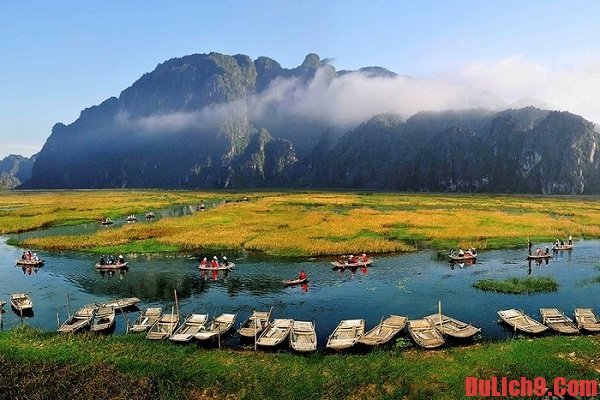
(379, 329)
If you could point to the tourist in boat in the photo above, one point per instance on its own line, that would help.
(24, 256)
(225, 261)
(461, 253)
(121, 260)
(302, 275)
(204, 262)
(351, 259)
(562, 243)
(538, 252)
(364, 257)
(102, 260)
(570, 240)
(35, 257)
(474, 252)
(29, 254)
(547, 250)
(215, 262)
(557, 243)
(111, 259)
(529, 245)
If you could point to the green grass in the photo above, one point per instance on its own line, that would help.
(132, 367)
(519, 285)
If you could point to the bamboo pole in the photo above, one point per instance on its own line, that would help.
(69, 304)
(255, 331)
(440, 314)
(57, 321)
(218, 326)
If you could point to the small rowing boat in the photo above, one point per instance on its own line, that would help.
(294, 282)
(21, 302)
(465, 258)
(346, 264)
(218, 326)
(2, 303)
(30, 263)
(275, 333)
(121, 304)
(539, 257)
(255, 324)
(82, 319)
(164, 327)
(110, 267)
(425, 334)
(104, 319)
(558, 321)
(303, 337)
(221, 267)
(587, 319)
(564, 247)
(106, 222)
(521, 321)
(189, 328)
(146, 320)
(452, 327)
(346, 334)
(385, 331)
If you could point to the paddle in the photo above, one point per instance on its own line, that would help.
(379, 329)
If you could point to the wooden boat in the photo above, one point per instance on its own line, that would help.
(21, 302)
(218, 326)
(558, 321)
(452, 327)
(110, 267)
(82, 319)
(346, 334)
(294, 282)
(149, 215)
(131, 218)
(255, 324)
(346, 264)
(2, 303)
(146, 320)
(121, 304)
(106, 222)
(30, 263)
(104, 319)
(564, 247)
(164, 327)
(587, 320)
(221, 267)
(465, 258)
(425, 334)
(275, 333)
(189, 328)
(385, 331)
(522, 322)
(303, 337)
(540, 257)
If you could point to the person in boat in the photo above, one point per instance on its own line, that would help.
(121, 260)
(204, 262)
(547, 250)
(302, 275)
(529, 245)
(562, 243)
(29, 254)
(557, 243)
(201, 207)
(364, 258)
(474, 252)
(102, 260)
(225, 261)
(111, 259)
(461, 253)
(351, 259)
(35, 257)
(538, 252)
(570, 240)
(23, 256)
(215, 262)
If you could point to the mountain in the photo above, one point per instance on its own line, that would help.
(220, 121)
(15, 169)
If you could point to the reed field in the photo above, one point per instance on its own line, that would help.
(308, 223)
(531, 284)
(40, 365)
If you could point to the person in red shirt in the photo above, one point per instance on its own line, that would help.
(364, 257)
(204, 262)
(215, 262)
(302, 275)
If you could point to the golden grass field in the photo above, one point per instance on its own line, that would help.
(303, 223)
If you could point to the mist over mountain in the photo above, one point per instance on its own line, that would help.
(219, 121)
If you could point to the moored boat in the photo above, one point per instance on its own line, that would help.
(104, 319)
(217, 327)
(587, 320)
(385, 331)
(558, 321)
(146, 320)
(346, 334)
(303, 337)
(521, 321)
(255, 324)
(121, 304)
(189, 328)
(425, 334)
(164, 327)
(275, 333)
(80, 320)
(452, 327)
(21, 302)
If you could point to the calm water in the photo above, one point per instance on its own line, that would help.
(408, 284)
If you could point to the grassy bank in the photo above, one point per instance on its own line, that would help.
(329, 223)
(527, 285)
(132, 367)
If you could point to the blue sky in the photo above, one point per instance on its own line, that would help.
(59, 57)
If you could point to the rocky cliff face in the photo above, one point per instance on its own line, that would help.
(216, 121)
(14, 170)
